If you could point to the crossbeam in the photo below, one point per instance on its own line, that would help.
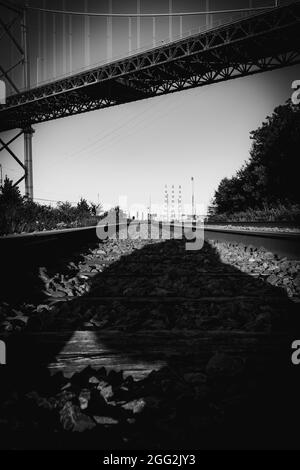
(27, 165)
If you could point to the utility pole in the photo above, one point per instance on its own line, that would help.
(150, 208)
(193, 198)
(1, 176)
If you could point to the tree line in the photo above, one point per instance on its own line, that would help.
(19, 214)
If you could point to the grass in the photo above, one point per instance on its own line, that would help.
(286, 213)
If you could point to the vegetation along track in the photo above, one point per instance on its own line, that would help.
(142, 344)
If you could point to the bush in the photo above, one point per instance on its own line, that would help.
(18, 215)
(279, 213)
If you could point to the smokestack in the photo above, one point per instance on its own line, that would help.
(166, 204)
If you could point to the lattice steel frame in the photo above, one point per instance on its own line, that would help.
(20, 15)
(263, 42)
(7, 31)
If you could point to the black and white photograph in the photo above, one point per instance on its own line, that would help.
(149, 229)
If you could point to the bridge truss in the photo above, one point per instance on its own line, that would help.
(262, 42)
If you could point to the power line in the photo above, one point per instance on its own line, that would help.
(110, 133)
(51, 200)
(137, 127)
(151, 15)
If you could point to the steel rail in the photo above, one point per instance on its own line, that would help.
(284, 244)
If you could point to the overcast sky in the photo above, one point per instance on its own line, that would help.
(136, 149)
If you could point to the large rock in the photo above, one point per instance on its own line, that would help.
(72, 419)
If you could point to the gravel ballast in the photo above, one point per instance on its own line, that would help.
(226, 401)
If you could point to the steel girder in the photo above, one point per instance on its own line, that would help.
(260, 43)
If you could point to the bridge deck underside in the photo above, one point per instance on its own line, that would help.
(263, 42)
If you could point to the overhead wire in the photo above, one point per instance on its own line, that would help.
(142, 124)
(150, 15)
(109, 134)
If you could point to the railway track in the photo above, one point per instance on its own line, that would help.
(281, 242)
(213, 324)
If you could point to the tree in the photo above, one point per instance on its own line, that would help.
(67, 213)
(10, 194)
(83, 208)
(270, 177)
(10, 206)
(95, 209)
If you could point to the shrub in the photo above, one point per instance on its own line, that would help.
(18, 214)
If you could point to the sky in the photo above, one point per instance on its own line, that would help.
(136, 149)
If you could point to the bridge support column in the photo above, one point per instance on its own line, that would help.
(28, 133)
(27, 165)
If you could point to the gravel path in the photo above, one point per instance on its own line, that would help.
(149, 285)
(136, 285)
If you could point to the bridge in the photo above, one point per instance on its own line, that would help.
(262, 41)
